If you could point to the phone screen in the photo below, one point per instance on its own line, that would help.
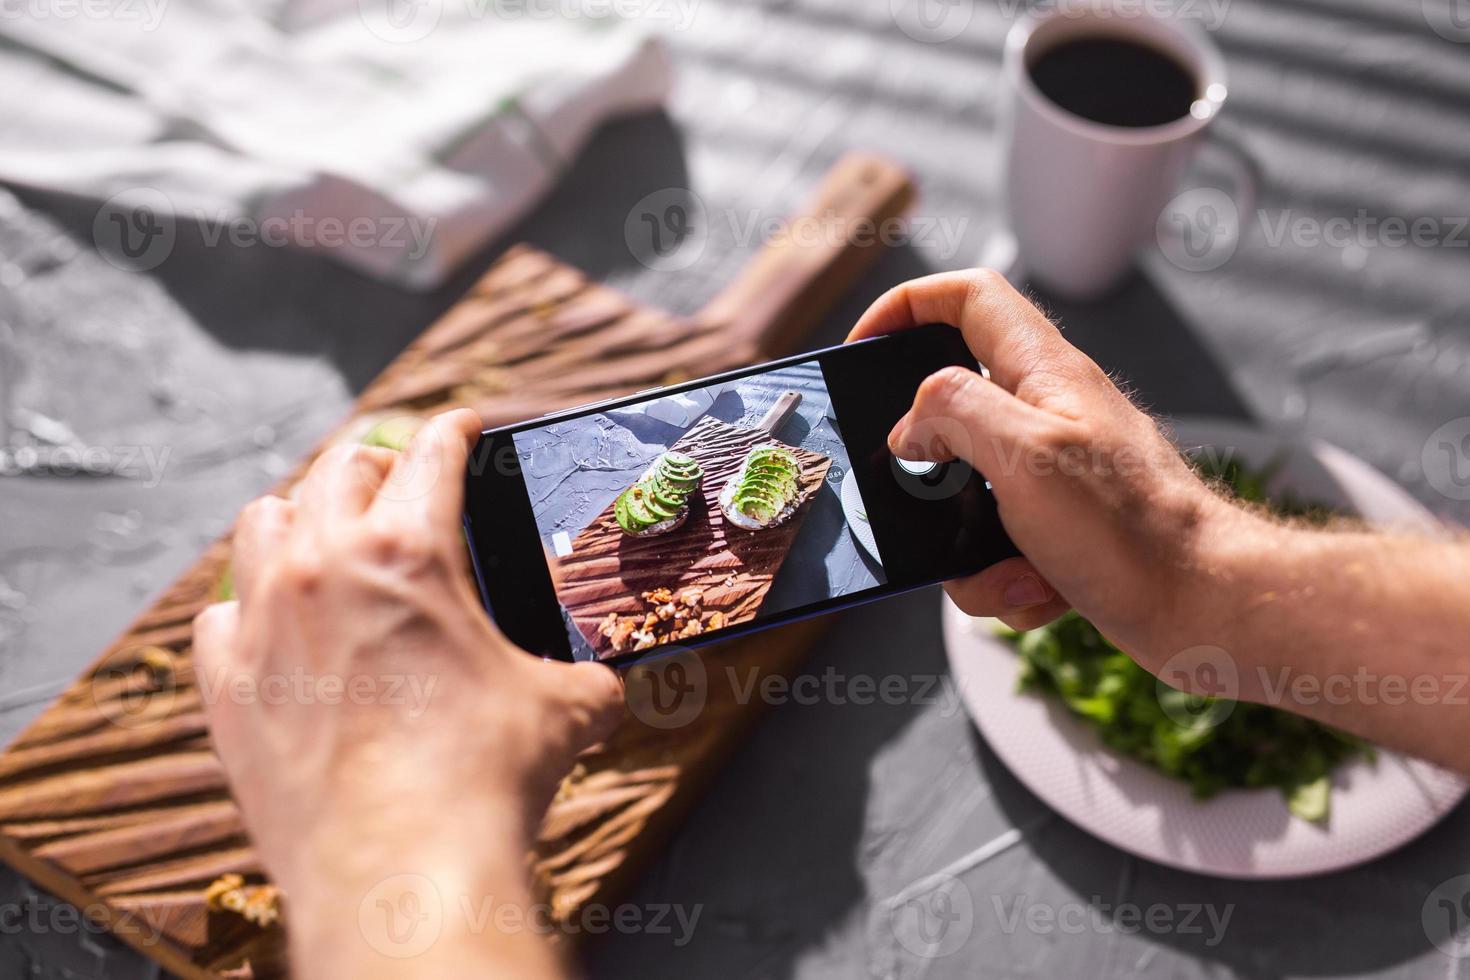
(705, 510)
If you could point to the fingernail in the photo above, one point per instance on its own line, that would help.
(899, 431)
(1028, 590)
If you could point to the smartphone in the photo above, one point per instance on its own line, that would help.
(687, 515)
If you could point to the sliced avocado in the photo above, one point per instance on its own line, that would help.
(765, 488)
(657, 509)
(780, 484)
(678, 462)
(620, 511)
(674, 473)
(774, 463)
(679, 483)
(666, 496)
(755, 505)
(673, 484)
(638, 511)
(772, 453)
(766, 471)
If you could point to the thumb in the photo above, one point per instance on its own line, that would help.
(959, 414)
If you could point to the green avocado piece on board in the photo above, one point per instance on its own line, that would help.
(394, 433)
(681, 468)
(620, 511)
(755, 506)
(638, 512)
(679, 483)
(768, 489)
(656, 507)
(665, 495)
(772, 474)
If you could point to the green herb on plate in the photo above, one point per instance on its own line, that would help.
(1211, 744)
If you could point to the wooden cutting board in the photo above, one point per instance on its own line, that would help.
(114, 800)
(607, 571)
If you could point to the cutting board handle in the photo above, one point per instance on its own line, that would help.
(784, 408)
(821, 251)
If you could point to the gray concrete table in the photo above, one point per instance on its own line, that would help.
(202, 380)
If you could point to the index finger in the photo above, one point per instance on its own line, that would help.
(1004, 331)
(429, 473)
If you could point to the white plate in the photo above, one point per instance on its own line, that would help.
(1376, 807)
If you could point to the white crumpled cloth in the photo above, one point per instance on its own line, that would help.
(397, 135)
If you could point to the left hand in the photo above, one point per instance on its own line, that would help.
(372, 719)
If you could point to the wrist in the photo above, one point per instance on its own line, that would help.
(429, 910)
(366, 840)
(1218, 585)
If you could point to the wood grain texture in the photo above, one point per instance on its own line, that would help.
(113, 798)
(608, 571)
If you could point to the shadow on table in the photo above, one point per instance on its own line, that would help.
(1140, 339)
(256, 296)
(770, 854)
(1352, 922)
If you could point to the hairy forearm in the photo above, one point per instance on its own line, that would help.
(1368, 632)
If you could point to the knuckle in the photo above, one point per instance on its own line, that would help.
(1062, 435)
(986, 282)
(251, 513)
(259, 512)
(943, 388)
(208, 630)
(1076, 374)
(205, 620)
(300, 574)
(387, 545)
(335, 459)
(343, 453)
(366, 464)
(263, 512)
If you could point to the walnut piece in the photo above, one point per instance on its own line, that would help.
(670, 617)
(257, 904)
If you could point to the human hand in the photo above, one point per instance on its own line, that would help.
(1104, 508)
(445, 743)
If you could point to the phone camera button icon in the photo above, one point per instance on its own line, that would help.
(915, 467)
(927, 480)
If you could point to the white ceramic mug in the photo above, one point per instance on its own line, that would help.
(1084, 196)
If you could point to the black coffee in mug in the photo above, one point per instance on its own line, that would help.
(1114, 81)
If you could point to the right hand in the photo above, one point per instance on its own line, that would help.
(1102, 505)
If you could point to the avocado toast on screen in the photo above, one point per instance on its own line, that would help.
(765, 491)
(659, 501)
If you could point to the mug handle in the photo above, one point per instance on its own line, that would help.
(1200, 228)
(1240, 166)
